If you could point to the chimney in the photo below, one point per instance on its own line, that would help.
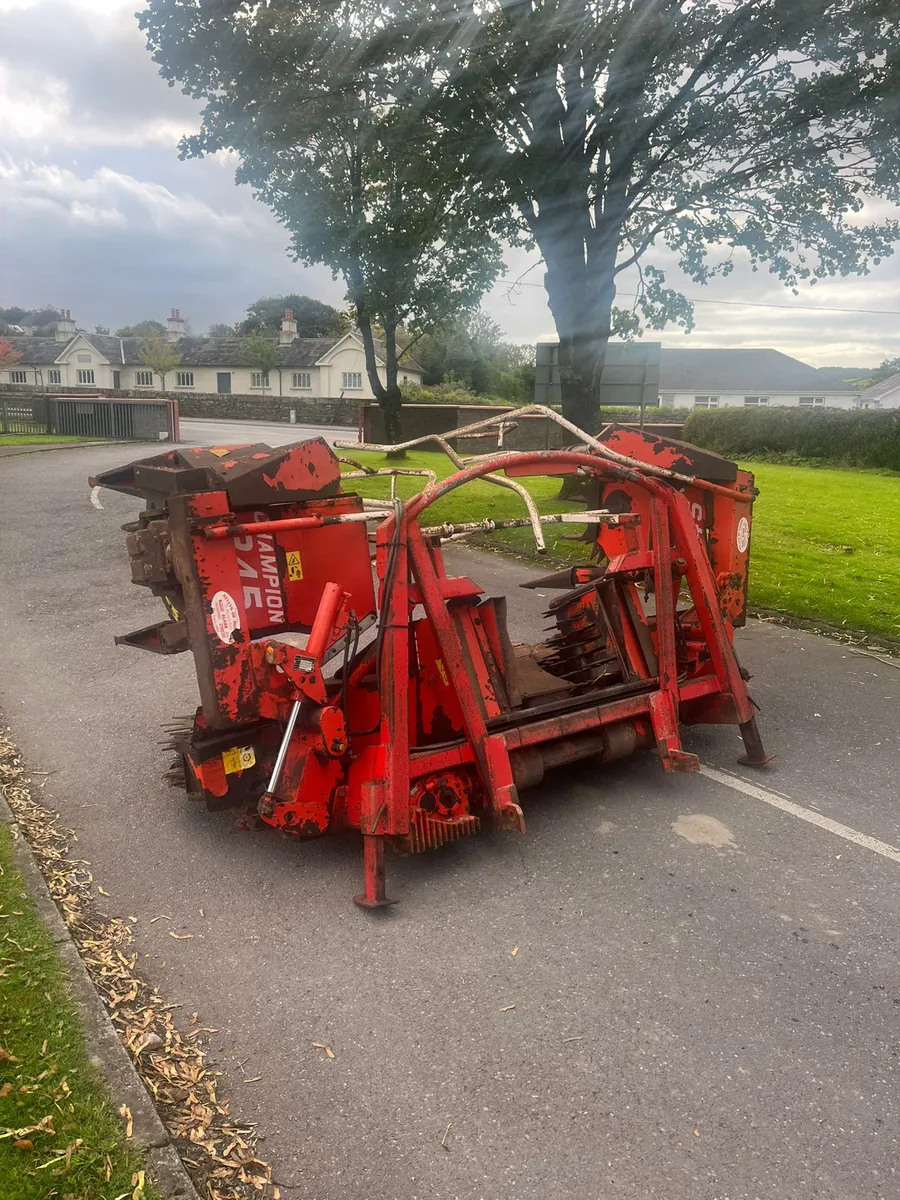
(288, 328)
(65, 326)
(174, 326)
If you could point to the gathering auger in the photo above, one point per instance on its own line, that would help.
(388, 696)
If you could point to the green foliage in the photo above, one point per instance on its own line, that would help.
(859, 438)
(159, 356)
(46, 1071)
(470, 349)
(260, 352)
(146, 328)
(448, 391)
(349, 153)
(890, 366)
(713, 132)
(220, 330)
(314, 319)
(40, 319)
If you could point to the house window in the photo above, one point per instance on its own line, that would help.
(301, 379)
(812, 401)
(184, 379)
(259, 379)
(84, 376)
(18, 377)
(54, 375)
(143, 379)
(667, 397)
(706, 402)
(351, 379)
(84, 357)
(756, 401)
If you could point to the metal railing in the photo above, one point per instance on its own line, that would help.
(108, 417)
(24, 415)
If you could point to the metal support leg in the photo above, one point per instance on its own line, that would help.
(374, 895)
(754, 755)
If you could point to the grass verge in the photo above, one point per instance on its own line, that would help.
(38, 439)
(59, 1134)
(826, 546)
(826, 542)
(217, 1150)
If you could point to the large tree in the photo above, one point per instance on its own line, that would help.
(261, 353)
(717, 131)
(314, 319)
(159, 356)
(347, 149)
(146, 328)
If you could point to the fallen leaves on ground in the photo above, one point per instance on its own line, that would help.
(218, 1151)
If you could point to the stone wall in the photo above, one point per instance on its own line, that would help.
(269, 408)
(308, 411)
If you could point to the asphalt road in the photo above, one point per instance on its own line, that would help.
(196, 431)
(705, 999)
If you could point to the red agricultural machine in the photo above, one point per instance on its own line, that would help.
(346, 680)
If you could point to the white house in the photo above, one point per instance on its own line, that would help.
(319, 368)
(885, 394)
(746, 379)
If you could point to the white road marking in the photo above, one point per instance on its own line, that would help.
(805, 814)
(95, 497)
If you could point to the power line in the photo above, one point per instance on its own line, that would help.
(874, 312)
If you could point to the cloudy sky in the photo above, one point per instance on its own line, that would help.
(97, 213)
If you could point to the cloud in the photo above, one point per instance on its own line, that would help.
(69, 77)
(724, 315)
(99, 214)
(115, 248)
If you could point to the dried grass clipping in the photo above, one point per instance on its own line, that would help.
(217, 1151)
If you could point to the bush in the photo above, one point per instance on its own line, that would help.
(858, 438)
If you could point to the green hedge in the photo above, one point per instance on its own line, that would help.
(856, 438)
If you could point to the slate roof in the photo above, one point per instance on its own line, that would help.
(194, 351)
(39, 350)
(752, 371)
(883, 388)
(229, 352)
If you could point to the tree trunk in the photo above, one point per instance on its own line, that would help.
(387, 394)
(581, 289)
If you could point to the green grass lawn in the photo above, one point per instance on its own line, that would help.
(58, 1134)
(826, 546)
(37, 439)
(826, 543)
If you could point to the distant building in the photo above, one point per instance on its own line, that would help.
(885, 394)
(747, 379)
(320, 368)
(723, 379)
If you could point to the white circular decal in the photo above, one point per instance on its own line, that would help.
(225, 616)
(743, 535)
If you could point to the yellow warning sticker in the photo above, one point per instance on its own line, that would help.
(172, 610)
(439, 663)
(294, 565)
(238, 758)
(220, 451)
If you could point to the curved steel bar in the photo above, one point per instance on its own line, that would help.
(362, 473)
(500, 480)
(601, 449)
(524, 458)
